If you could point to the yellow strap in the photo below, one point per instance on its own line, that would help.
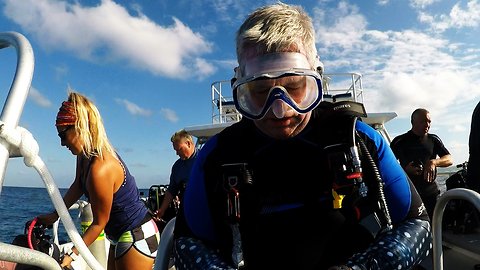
(337, 199)
(85, 224)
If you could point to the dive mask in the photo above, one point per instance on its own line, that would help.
(281, 81)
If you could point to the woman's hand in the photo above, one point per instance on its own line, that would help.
(67, 260)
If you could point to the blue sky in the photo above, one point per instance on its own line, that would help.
(148, 66)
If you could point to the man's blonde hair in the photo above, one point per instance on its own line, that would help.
(277, 28)
(180, 136)
(90, 127)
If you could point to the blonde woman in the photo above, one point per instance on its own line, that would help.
(104, 179)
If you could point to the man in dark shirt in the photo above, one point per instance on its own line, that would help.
(473, 169)
(417, 150)
(183, 145)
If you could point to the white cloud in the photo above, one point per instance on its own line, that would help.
(203, 68)
(133, 108)
(38, 98)
(468, 17)
(417, 71)
(231, 10)
(60, 71)
(401, 91)
(169, 114)
(421, 3)
(341, 28)
(107, 32)
(405, 69)
(229, 64)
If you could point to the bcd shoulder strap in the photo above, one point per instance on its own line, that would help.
(343, 108)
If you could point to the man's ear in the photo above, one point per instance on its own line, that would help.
(236, 70)
(319, 65)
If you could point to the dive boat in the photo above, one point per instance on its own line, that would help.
(17, 141)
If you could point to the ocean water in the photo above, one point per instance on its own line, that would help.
(18, 205)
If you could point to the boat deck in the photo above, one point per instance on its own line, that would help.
(460, 251)
(466, 244)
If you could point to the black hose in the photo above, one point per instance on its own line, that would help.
(381, 195)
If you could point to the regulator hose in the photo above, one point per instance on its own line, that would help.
(381, 194)
(30, 231)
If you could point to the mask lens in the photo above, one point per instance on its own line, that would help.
(254, 97)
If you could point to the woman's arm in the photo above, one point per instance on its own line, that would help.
(101, 185)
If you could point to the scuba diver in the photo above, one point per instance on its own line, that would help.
(297, 183)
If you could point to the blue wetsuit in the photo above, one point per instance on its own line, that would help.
(287, 219)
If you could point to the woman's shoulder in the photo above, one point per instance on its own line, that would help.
(104, 173)
(107, 164)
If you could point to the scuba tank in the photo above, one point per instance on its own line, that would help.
(98, 246)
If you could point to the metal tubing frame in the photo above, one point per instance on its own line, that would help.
(453, 194)
(17, 96)
(165, 247)
(10, 117)
(27, 256)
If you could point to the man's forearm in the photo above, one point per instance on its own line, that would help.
(443, 161)
(166, 201)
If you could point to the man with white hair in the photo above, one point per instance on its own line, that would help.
(285, 188)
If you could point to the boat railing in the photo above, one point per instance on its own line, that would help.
(337, 87)
(223, 107)
(165, 247)
(17, 141)
(17, 96)
(452, 194)
(343, 86)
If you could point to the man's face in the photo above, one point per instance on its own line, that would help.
(281, 121)
(421, 124)
(183, 148)
(282, 128)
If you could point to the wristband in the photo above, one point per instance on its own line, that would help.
(72, 254)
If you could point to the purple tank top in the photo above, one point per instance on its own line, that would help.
(128, 210)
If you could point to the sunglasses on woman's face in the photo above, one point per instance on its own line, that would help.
(63, 134)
